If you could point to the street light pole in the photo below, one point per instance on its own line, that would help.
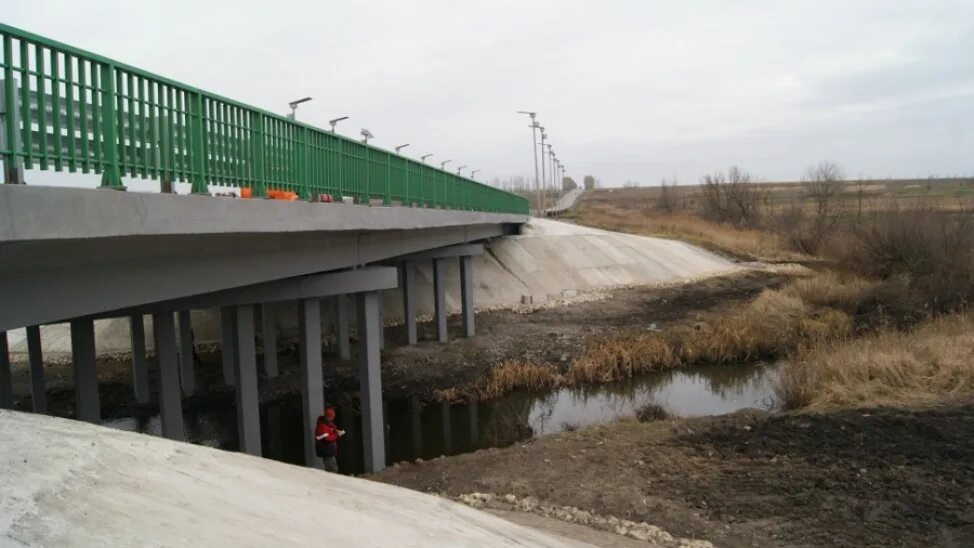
(334, 122)
(294, 106)
(473, 174)
(534, 150)
(541, 188)
(459, 169)
(400, 147)
(425, 156)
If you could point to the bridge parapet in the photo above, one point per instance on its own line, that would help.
(66, 109)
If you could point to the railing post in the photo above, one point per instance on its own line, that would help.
(13, 170)
(387, 199)
(111, 176)
(257, 151)
(304, 185)
(197, 173)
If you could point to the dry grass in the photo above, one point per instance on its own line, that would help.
(931, 364)
(506, 377)
(774, 324)
(747, 243)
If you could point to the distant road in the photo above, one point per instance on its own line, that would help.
(564, 203)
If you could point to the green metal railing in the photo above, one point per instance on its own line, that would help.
(67, 109)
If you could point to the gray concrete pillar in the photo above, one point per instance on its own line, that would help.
(268, 330)
(248, 401)
(439, 300)
(341, 327)
(382, 322)
(187, 369)
(407, 281)
(35, 362)
(466, 294)
(416, 420)
(228, 343)
(6, 383)
(140, 369)
(312, 397)
(170, 399)
(370, 382)
(87, 404)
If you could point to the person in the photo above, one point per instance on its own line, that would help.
(326, 440)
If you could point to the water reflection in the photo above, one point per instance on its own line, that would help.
(418, 430)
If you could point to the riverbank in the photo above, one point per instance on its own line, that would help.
(860, 477)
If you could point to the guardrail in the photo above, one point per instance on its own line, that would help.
(67, 109)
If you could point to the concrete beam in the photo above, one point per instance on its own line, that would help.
(288, 289)
(370, 382)
(187, 369)
(35, 362)
(87, 403)
(341, 326)
(407, 281)
(466, 294)
(268, 330)
(140, 369)
(449, 252)
(439, 300)
(248, 402)
(170, 399)
(312, 396)
(6, 384)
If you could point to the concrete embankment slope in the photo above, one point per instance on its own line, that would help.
(67, 483)
(550, 260)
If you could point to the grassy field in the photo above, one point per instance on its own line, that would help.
(881, 320)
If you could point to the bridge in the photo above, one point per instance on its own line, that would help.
(318, 216)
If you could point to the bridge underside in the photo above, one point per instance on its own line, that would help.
(66, 253)
(71, 255)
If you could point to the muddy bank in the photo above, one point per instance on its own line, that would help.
(548, 335)
(852, 478)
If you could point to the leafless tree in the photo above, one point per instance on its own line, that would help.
(668, 198)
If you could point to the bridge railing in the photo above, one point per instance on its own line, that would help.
(70, 110)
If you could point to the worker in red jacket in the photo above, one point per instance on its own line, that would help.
(326, 440)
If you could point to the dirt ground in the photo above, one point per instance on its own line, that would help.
(554, 335)
(878, 477)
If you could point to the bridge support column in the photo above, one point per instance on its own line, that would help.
(140, 369)
(466, 294)
(341, 326)
(87, 404)
(35, 360)
(170, 399)
(439, 300)
(248, 404)
(312, 397)
(6, 384)
(370, 382)
(382, 319)
(269, 337)
(228, 343)
(407, 280)
(187, 369)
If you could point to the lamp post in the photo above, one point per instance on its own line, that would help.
(459, 169)
(534, 149)
(425, 156)
(366, 135)
(294, 106)
(400, 147)
(334, 122)
(543, 176)
(444, 163)
(473, 174)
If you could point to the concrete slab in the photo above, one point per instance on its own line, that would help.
(103, 487)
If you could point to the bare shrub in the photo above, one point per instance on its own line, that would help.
(515, 375)
(651, 412)
(734, 198)
(668, 200)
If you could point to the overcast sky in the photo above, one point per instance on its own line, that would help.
(629, 90)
